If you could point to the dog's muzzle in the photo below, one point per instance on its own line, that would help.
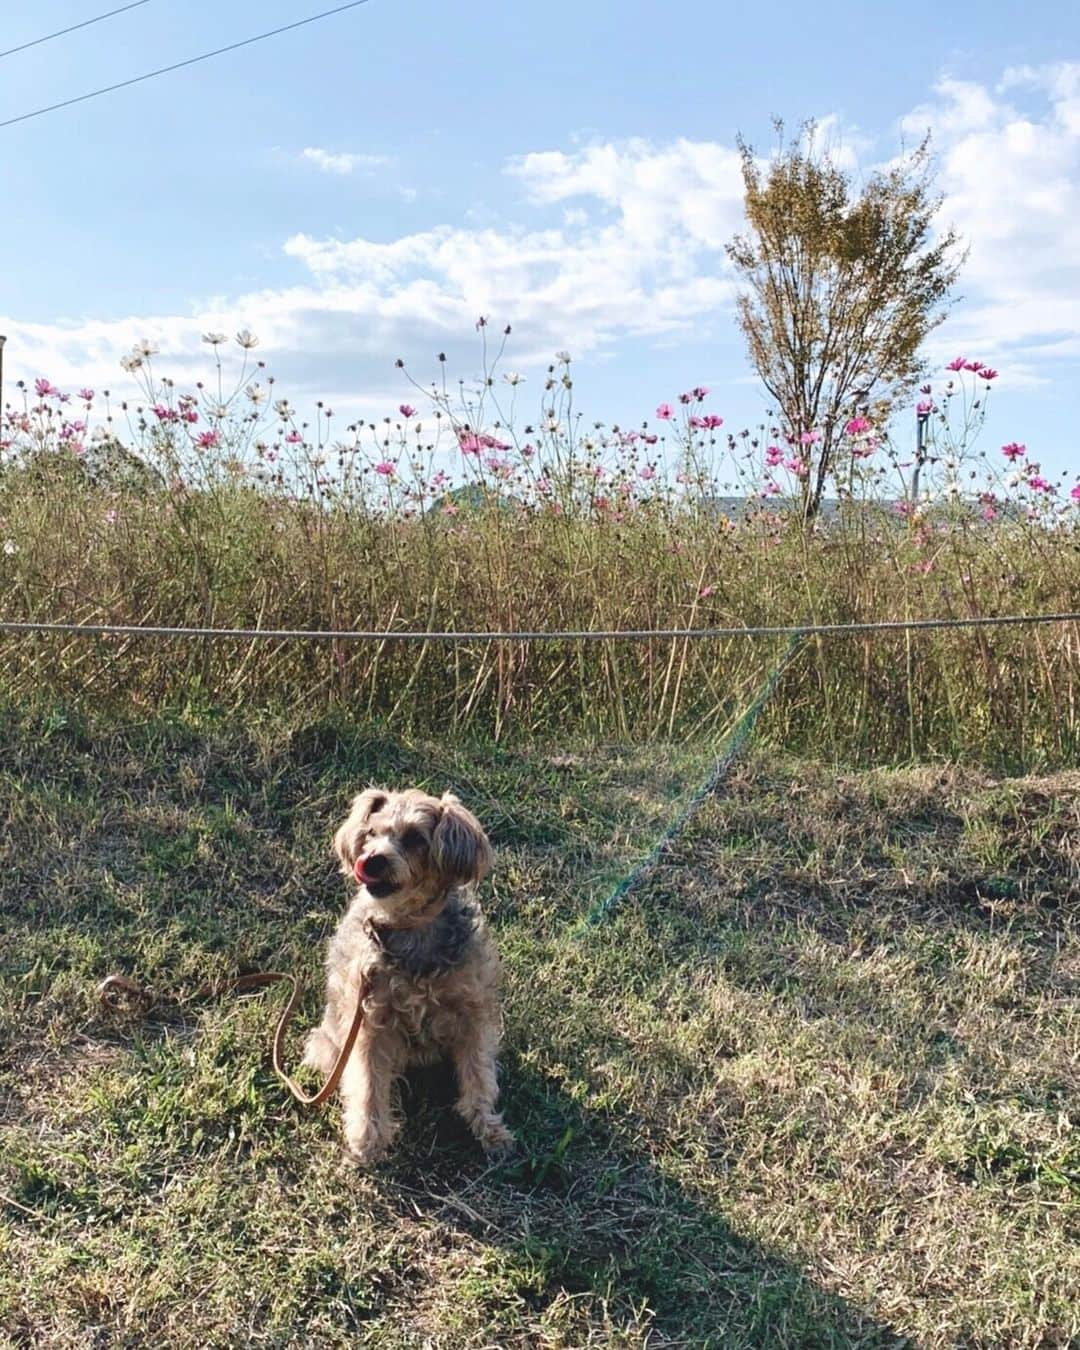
(372, 870)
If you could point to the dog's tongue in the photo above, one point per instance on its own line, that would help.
(360, 871)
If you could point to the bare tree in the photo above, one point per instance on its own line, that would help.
(840, 289)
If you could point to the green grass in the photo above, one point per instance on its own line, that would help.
(813, 1084)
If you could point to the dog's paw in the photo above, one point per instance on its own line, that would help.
(364, 1151)
(493, 1136)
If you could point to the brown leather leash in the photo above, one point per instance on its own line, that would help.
(121, 985)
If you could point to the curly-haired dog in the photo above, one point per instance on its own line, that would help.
(414, 933)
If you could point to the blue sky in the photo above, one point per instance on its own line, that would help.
(362, 188)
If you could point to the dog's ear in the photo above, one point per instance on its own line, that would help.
(459, 846)
(363, 808)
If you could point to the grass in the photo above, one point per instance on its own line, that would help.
(813, 1084)
(73, 548)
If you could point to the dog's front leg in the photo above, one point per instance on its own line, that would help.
(367, 1085)
(474, 1055)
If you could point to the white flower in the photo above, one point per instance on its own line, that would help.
(256, 393)
(512, 377)
(10, 547)
(1014, 480)
(247, 339)
(131, 363)
(217, 411)
(214, 339)
(281, 407)
(553, 424)
(568, 383)
(144, 349)
(564, 357)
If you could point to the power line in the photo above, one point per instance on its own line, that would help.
(573, 635)
(179, 65)
(61, 31)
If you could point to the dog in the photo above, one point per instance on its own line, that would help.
(414, 935)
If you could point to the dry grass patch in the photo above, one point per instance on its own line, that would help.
(814, 1084)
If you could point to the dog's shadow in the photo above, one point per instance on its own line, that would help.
(582, 1214)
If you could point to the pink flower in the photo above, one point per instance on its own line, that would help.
(987, 374)
(527, 452)
(665, 412)
(697, 422)
(773, 456)
(206, 440)
(449, 509)
(294, 438)
(87, 395)
(706, 591)
(647, 473)
(407, 410)
(1040, 484)
(1075, 493)
(700, 392)
(958, 364)
(164, 414)
(924, 407)
(385, 468)
(809, 437)
(974, 366)
(857, 426)
(650, 438)
(711, 421)
(189, 415)
(988, 513)
(903, 508)
(798, 467)
(772, 489)
(686, 398)
(1013, 451)
(46, 390)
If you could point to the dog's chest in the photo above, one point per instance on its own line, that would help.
(424, 1010)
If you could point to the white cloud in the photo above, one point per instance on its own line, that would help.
(342, 162)
(1011, 179)
(621, 240)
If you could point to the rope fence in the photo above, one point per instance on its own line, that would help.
(17, 627)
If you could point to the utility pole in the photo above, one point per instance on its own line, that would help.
(3, 339)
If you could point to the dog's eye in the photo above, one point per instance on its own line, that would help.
(413, 839)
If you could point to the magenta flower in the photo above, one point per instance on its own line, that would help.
(87, 395)
(711, 421)
(1013, 451)
(294, 438)
(649, 437)
(700, 392)
(974, 366)
(469, 443)
(1040, 484)
(189, 415)
(407, 410)
(706, 591)
(809, 437)
(924, 407)
(988, 513)
(1075, 493)
(773, 456)
(207, 440)
(44, 389)
(857, 426)
(697, 422)
(647, 473)
(665, 412)
(987, 374)
(960, 363)
(385, 468)
(686, 398)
